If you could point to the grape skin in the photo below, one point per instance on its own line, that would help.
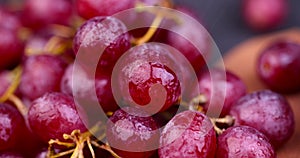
(268, 112)
(38, 14)
(101, 34)
(244, 141)
(39, 78)
(132, 133)
(188, 134)
(11, 48)
(278, 66)
(217, 85)
(12, 126)
(71, 84)
(55, 114)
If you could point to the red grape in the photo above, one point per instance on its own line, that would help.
(146, 82)
(55, 114)
(264, 15)
(38, 14)
(71, 84)
(38, 77)
(98, 34)
(181, 39)
(268, 112)
(150, 76)
(278, 66)
(221, 89)
(9, 20)
(12, 126)
(11, 48)
(10, 154)
(244, 141)
(188, 134)
(132, 133)
(92, 8)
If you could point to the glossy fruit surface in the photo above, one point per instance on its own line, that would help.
(12, 126)
(55, 114)
(147, 77)
(188, 134)
(264, 15)
(221, 89)
(132, 133)
(150, 83)
(99, 35)
(278, 66)
(268, 112)
(38, 77)
(244, 141)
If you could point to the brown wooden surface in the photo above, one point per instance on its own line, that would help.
(242, 60)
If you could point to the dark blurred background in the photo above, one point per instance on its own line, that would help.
(223, 19)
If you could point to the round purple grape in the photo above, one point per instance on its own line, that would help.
(55, 114)
(278, 66)
(188, 134)
(268, 112)
(244, 141)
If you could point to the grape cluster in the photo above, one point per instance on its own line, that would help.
(76, 82)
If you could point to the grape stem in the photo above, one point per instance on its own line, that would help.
(17, 72)
(19, 104)
(79, 141)
(151, 31)
(160, 15)
(229, 120)
(62, 31)
(198, 102)
(107, 148)
(56, 45)
(24, 33)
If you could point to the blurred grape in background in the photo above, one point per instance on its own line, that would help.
(224, 20)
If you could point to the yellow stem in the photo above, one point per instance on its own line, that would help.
(155, 24)
(56, 141)
(56, 45)
(109, 113)
(79, 139)
(14, 85)
(226, 120)
(30, 51)
(90, 147)
(24, 33)
(216, 128)
(64, 153)
(62, 31)
(19, 104)
(107, 148)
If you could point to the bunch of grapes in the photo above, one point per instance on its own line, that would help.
(84, 82)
